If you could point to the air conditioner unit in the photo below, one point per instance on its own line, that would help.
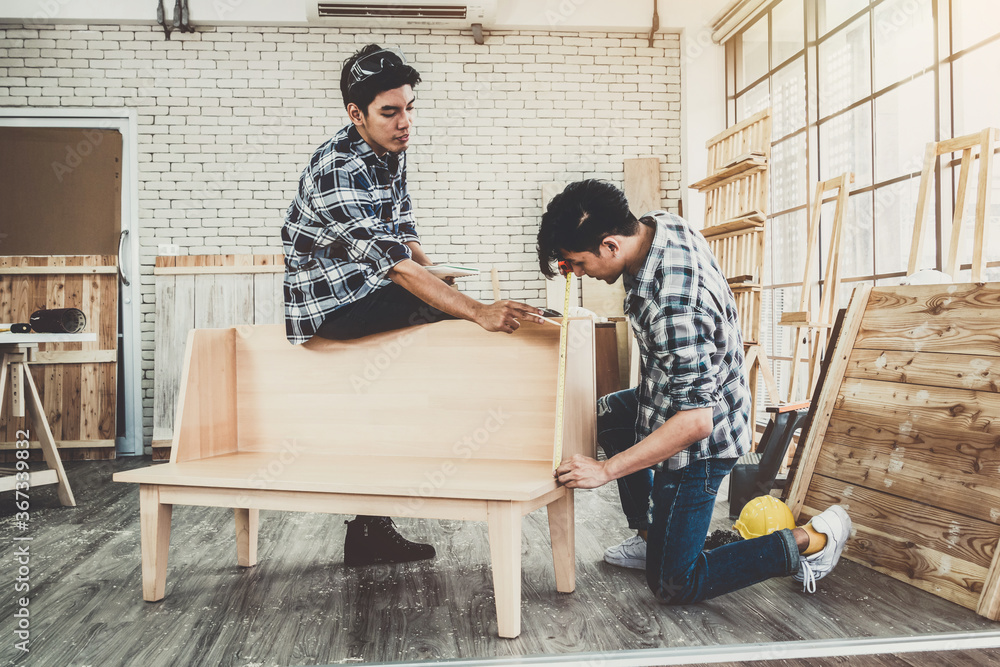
(402, 13)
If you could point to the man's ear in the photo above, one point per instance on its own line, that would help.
(611, 243)
(354, 112)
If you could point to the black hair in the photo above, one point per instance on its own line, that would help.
(362, 93)
(579, 218)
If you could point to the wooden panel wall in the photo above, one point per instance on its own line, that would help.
(912, 447)
(80, 398)
(205, 291)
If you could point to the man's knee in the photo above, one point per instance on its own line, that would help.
(672, 590)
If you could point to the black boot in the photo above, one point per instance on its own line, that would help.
(373, 539)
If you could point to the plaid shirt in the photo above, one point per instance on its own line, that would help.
(684, 317)
(344, 230)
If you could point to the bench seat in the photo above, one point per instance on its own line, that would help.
(478, 479)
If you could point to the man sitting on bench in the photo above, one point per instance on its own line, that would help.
(353, 261)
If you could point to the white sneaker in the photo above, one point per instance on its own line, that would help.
(836, 525)
(630, 553)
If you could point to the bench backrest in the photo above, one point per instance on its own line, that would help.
(448, 390)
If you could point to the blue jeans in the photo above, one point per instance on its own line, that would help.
(675, 507)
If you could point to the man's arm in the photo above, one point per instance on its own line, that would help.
(499, 316)
(675, 435)
(418, 254)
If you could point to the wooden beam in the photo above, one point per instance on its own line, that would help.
(202, 270)
(48, 270)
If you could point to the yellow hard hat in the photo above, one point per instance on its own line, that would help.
(762, 516)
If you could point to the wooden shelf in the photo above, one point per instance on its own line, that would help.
(741, 166)
(801, 319)
(752, 220)
(744, 287)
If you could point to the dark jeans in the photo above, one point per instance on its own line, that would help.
(675, 506)
(387, 308)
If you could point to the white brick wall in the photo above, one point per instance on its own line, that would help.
(229, 116)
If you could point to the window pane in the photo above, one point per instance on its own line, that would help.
(787, 30)
(973, 21)
(845, 144)
(904, 123)
(788, 174)
(991, 249)
(754, 53)
(895, 209)
(789, 105)
(857, 249)
(789, 234)
(977, 90)
(845, 68)
(834, 12)
(904, 40)
(754, 100)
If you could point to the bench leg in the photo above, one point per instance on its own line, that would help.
(562, 533)
(504, 520)
(154, 537)
(247, 521)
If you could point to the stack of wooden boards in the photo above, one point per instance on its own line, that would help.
(906, 436)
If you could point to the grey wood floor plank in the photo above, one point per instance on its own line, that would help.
(301, 606)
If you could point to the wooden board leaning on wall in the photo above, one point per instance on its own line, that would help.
(76, 381)
(906, 436)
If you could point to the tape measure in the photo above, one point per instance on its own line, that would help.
(561, 390)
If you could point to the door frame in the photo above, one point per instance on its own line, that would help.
(125, 121)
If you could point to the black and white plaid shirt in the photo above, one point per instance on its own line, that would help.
(344, 230)
(685, 320)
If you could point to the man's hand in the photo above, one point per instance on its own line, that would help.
(582, 472)
(502, 315)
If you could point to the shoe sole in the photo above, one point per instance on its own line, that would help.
(631, 563)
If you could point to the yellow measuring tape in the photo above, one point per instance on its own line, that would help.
(561, 391)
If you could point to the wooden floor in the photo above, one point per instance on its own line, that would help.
(301, 606)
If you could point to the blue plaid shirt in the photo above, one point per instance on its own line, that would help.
(344, 230)
(684, 317)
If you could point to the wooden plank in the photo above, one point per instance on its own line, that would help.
(937, 369)
(934, 318)
(58, 269)
(923, 205)
(958, 143)
(965, 410)
(984, 194)
(827, 400)
(65, 444)
(862, 450)
(207, 399)
(75, 357)
(959, 209)
(642, 185)
(907, 540)
(749, 165)
(218, 270)
(960, 537)
(752, 220)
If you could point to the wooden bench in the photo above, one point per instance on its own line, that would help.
(441, 421)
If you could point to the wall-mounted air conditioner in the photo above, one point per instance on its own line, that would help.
(402, 13)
